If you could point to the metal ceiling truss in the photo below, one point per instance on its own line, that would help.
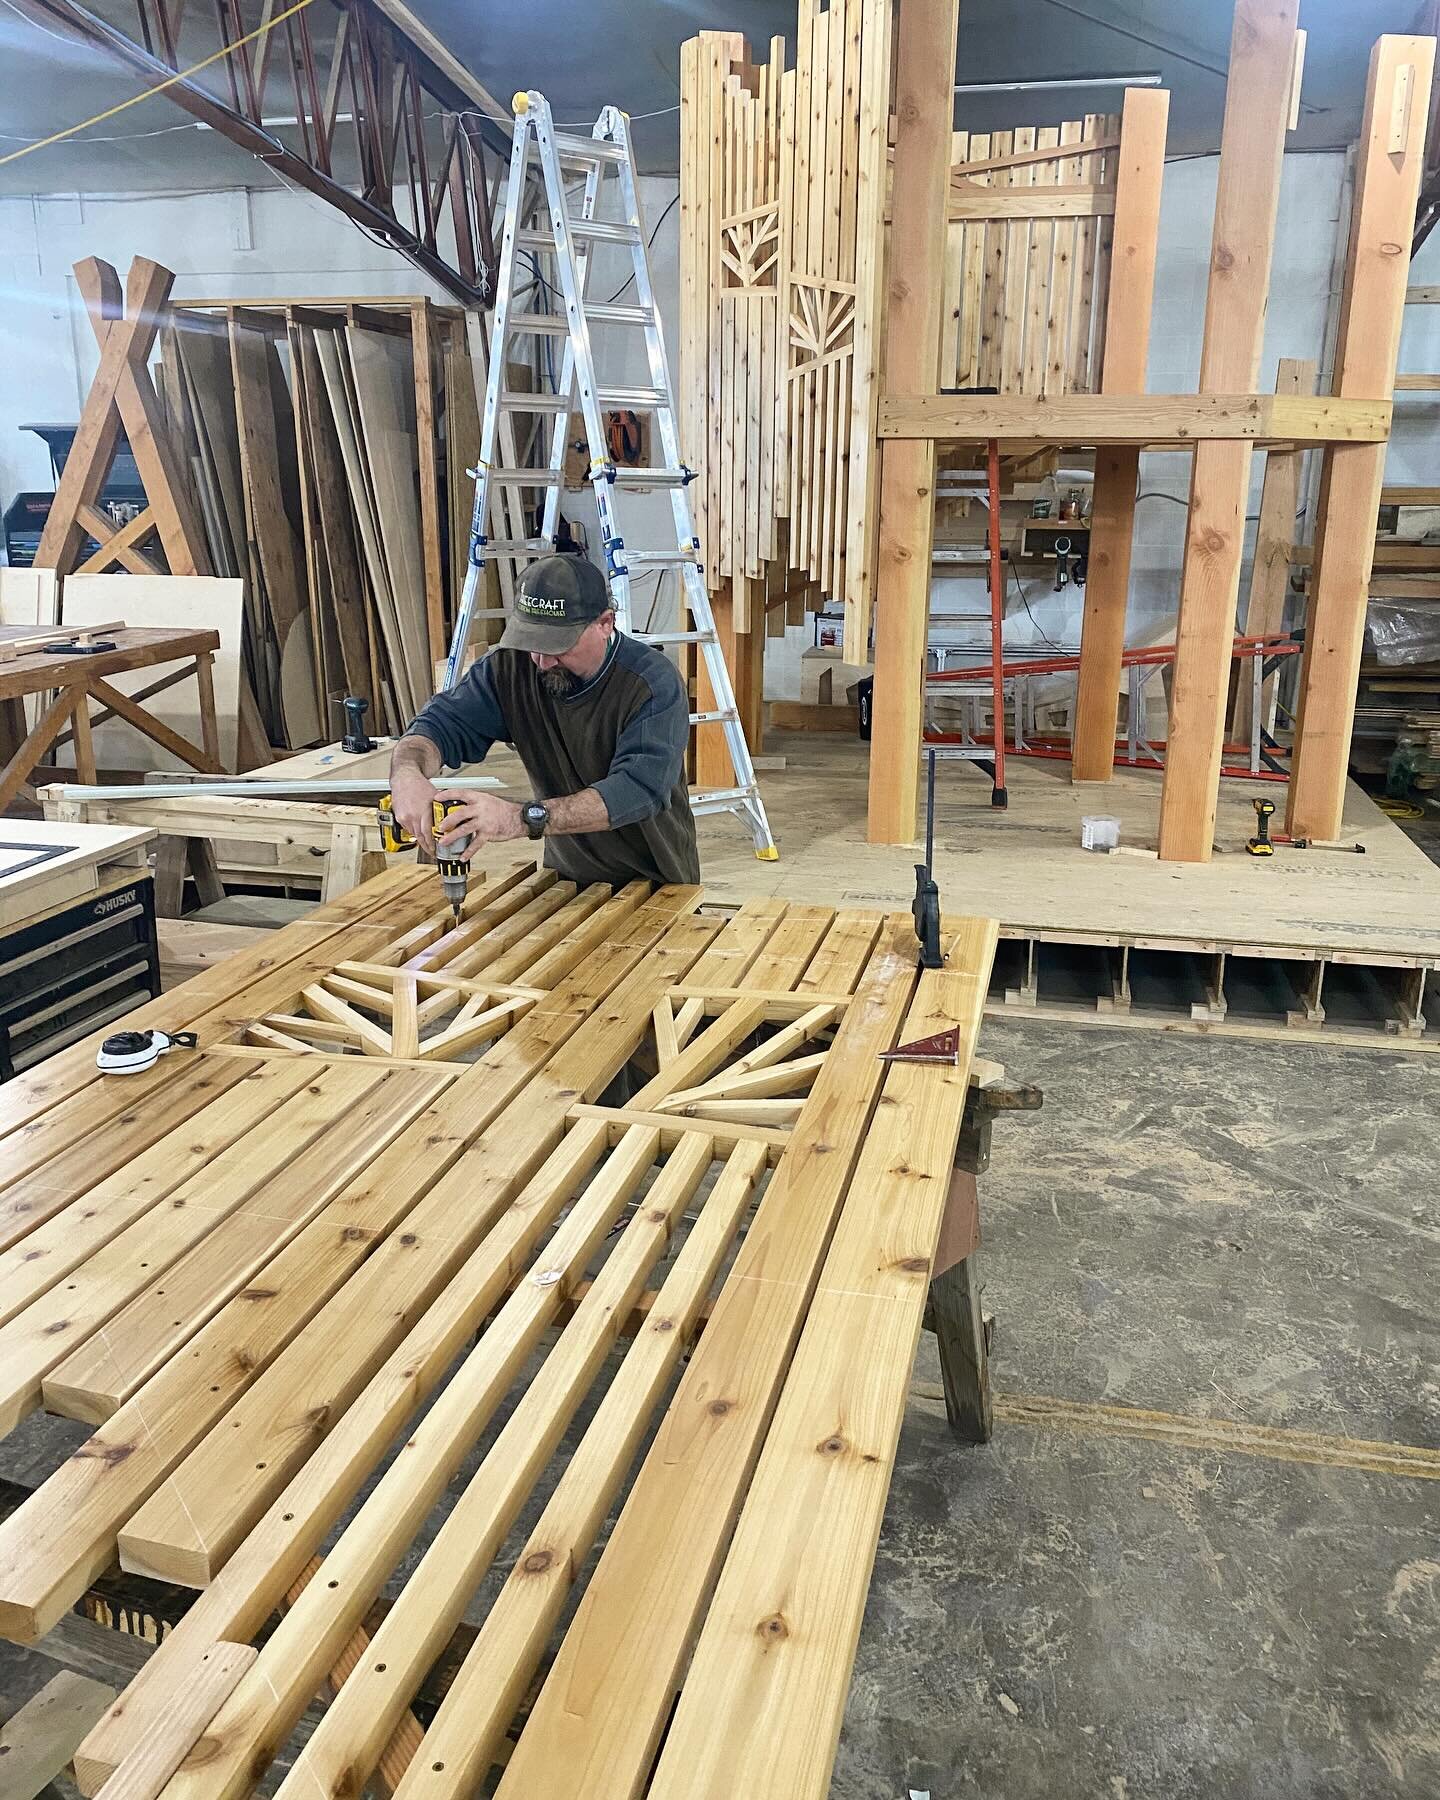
(382, 134)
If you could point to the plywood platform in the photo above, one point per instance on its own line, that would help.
(1026, 868)
(1311, 941)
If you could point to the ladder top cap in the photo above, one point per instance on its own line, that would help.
(520, 102)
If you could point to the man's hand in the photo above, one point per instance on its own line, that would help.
(411, 793)
(485, 819)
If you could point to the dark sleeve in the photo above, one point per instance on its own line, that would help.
(464, 723)
(649, 754)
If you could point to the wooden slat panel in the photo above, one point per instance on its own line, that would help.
(499, 1666)
(60, 1538)
(98, 1377)
(67, 1177)
(761, 1708)
(188, 1528)
(347, 1744)
(635, 1619)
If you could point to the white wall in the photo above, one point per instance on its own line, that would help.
(258, 243)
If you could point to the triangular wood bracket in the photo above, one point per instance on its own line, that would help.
(122, 396)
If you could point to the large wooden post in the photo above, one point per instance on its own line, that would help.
(1387, 185)
(1126, 345)
(924, 114)
(744, 653)
(1252, 145)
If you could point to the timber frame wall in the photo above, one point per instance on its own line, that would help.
(1223, 423)
(791, 298)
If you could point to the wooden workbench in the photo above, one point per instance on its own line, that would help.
(253, 1267)
(73, 680)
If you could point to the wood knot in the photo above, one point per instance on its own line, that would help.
(832, 1445)
(353, 1234)
(718, 1408)
(913, 1265)
(773, 1630)
(654, 1216)
(314, 1088)
(1212, 540)
(538, 1562)
(257, 1293)
(58, 1326)
(662, 1324)
(1388, 249)
(1224, 259)
(408, 1239)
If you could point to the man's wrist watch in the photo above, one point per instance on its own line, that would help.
(534, 816)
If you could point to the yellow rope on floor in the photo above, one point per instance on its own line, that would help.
(1218, 1434)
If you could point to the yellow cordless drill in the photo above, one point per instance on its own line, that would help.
(454, 873)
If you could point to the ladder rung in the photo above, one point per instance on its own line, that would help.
(540, 324)
(637, 396)
(721, 799)
(513, 547)
(660, 478)
(518, 400)
(660, 559)
(674, 637)
(584, 149)
(523, 478)
(604, 314)
(713, 718)
(605, 231)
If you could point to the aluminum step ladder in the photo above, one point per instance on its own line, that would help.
(568, 245)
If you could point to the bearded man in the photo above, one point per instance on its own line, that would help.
(600, 721)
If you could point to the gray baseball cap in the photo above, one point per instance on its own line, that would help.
(556, 598)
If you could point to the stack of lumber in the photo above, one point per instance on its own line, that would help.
(255, 1282)
(326, 446)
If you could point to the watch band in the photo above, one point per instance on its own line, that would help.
(535, 816)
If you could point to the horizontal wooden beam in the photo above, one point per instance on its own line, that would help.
(1161, 420)
(1086, 201)
(1417, 384)
(1410, 496)
(1422, 296)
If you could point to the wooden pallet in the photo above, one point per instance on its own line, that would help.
(253, 1267)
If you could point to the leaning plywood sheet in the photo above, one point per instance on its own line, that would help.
(344, 410)
(177, 601)
(421, 1229)
(384, 391)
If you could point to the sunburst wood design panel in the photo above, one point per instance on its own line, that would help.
(1027, 257)
(782, 190)
(339, 1323)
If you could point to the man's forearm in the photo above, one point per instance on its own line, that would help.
(572, 814)
(415, 753)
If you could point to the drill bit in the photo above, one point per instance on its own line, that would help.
(454, 873)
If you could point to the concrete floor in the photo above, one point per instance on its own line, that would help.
(1239, 1231)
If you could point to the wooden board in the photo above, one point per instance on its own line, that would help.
(1389, 162)
(316, 1266)
(1252, 145)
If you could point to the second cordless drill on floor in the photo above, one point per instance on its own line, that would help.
(454, 873)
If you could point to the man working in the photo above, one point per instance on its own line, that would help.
(600, 722)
